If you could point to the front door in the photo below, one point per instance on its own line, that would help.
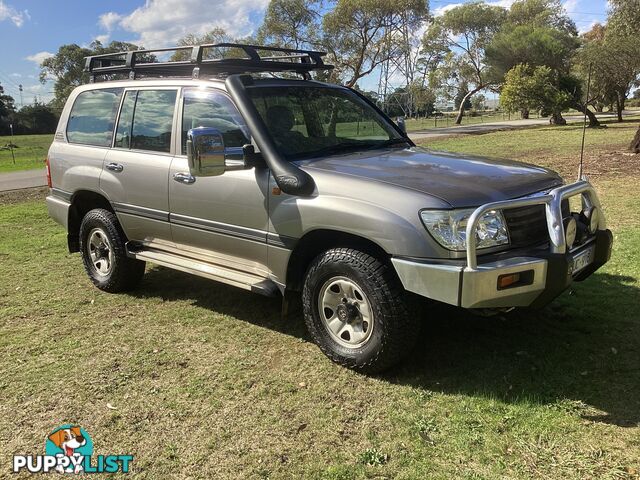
(221, 219)
(135, 173)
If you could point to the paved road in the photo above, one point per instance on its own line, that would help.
(22, 179)
(479, 128)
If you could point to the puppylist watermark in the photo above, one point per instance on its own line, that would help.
(69, 449)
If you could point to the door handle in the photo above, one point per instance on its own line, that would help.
(186, 178)
(115, 167)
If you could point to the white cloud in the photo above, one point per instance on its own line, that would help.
(7, 12)
(39, 57)
(495, 3)
(109, 20)
(161, 23)
(16, 75)
(103, 39)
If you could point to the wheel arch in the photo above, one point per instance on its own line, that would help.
(83, 201)
(313, 243)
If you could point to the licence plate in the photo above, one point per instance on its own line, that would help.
(583, 259)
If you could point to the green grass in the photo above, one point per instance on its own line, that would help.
(540, 141)
(207, 381)
(448, 120)
(30, 152)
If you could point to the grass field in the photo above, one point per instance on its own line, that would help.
(30, 152)
(201, 380)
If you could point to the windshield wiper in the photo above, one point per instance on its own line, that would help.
(393, 141)
(337, 148)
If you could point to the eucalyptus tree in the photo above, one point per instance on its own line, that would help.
(466, 30)
(291, 24)
(360, 35)
(538, 33)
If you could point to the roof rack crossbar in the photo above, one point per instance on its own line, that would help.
(133, 62)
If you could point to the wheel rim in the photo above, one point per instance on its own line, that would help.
(100, 252)
(345, 312)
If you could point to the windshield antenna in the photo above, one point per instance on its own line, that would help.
(584, 124)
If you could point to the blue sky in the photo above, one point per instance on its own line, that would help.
(32, 29)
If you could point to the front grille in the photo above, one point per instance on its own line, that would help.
(528, 225)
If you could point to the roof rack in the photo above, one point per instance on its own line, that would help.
(144, 62)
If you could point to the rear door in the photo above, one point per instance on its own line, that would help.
(136, 170)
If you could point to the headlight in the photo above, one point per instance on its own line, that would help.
(449, 228)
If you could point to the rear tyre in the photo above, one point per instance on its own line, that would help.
(102, 243)
(355, 311)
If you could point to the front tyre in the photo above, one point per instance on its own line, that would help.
(355, 311)
(102, 243)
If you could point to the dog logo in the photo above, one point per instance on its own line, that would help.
(70, 441)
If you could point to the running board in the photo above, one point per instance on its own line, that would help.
(246, 281)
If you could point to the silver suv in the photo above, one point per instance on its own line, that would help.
(284, 186)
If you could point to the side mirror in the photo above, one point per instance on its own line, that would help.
(205, 152)
(208, 157)
(401, 124)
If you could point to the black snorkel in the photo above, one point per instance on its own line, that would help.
(291, 179)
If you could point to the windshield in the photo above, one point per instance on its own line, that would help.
(309, 121)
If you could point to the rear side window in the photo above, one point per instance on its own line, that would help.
(93, 116)
(153, 120)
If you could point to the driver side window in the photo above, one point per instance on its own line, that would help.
(208, 108)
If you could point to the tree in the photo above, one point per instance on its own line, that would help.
(615, 66)
(66, 67)
(361, 34)
(539, 33)
(36, 118)
(478, 102)
(468, 29)
(217, 35)
(291, 24)
(7, 110)
(533, 88)
(623, 19)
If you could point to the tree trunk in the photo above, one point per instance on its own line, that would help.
(635, 145)
(464, 100)
(556, 118)
(593, 120)
(619, 106)
(525, 113)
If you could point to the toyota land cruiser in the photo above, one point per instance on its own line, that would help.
(280, 185)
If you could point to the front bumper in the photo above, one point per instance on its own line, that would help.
(545, 274)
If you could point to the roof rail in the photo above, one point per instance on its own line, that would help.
(196, 63)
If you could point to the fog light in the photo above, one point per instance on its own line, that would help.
(506, 280)
(570, 231)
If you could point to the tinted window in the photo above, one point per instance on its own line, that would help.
(123, 133)
(93, 116)
(310, 121)
(207, 108)
(152, 120)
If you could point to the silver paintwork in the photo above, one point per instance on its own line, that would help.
(345, 312)
(237, 228)
(456, 285)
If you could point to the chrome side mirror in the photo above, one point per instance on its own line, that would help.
(205, 152)
(401, 124)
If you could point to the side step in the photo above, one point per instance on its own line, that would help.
(247, 281)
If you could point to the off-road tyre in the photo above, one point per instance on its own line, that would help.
(124, 273)
(395, 330)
